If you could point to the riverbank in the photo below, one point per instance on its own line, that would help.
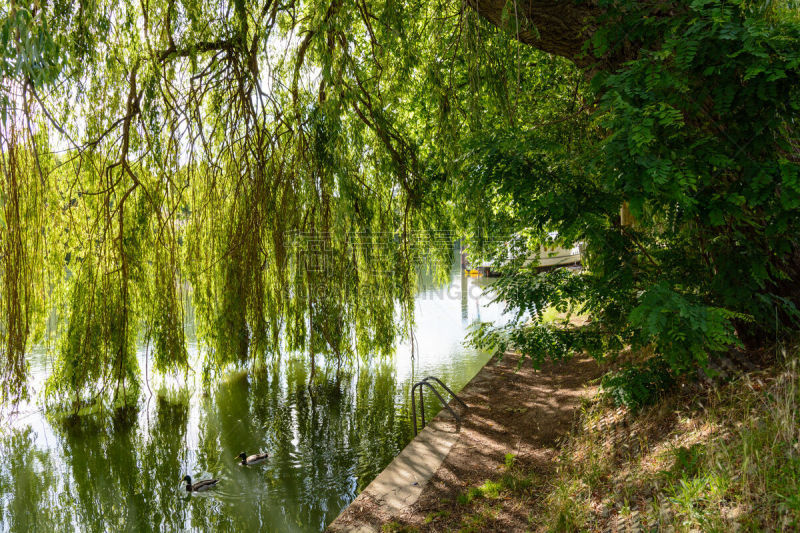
(708, 456)
(514, 422)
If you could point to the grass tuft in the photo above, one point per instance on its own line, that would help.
(397, 527)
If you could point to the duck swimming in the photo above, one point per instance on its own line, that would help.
(252, 459)
(200, 486)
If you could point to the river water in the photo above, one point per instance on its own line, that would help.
(327, 440)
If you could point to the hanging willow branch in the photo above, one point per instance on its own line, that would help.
(20, 246)
(248, 156)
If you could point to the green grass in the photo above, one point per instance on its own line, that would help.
(397, 527)
(512, 481)
(510, 461)
(432, 517)
(475, 522)
(513, 484)
(466, 498)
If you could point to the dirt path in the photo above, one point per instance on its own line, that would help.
(519, 411)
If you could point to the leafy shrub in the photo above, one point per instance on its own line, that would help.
(635, 386)
(686, 199)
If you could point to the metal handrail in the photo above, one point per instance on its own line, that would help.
(445, 387)
(421, 385)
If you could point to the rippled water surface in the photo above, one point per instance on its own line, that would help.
(327, 440)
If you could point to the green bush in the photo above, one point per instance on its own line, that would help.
(684, 192)
(635, 386)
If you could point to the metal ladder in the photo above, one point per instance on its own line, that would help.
(421, 385)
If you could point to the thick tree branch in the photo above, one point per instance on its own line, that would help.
(553, 26)
(201, 47)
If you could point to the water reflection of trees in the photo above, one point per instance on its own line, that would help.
(327, 440)
(123, 476)
(106, 474)
(28, 481)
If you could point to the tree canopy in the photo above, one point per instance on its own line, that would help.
(686, 198)
(289, 165)
(279, 163)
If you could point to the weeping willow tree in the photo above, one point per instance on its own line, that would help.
(271, 159)
(285, 163)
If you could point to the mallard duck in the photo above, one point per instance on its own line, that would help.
(200, 486)
(252, 459)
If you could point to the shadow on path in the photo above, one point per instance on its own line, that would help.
(512, 410)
